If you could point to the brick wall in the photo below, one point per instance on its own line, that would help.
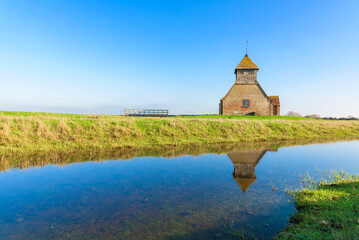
(232, 103)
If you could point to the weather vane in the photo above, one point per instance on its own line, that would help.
(246, 47)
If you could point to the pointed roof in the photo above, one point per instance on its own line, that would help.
(247, 63)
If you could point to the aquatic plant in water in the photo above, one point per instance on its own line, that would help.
(237, 234)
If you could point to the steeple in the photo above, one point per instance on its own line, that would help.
(247, 63)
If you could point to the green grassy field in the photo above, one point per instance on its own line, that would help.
(238, 117)
(49, 132)
(244, 117)
(328, 211)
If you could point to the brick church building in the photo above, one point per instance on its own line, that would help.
(246, 96)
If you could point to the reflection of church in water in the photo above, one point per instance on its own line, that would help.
(245, 163)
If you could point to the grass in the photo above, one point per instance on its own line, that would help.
(235, 234)
(241, 117)
(325, 210)
(26, 132)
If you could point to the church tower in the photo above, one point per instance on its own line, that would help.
(246, 71)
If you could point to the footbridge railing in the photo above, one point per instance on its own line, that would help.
(146, 113)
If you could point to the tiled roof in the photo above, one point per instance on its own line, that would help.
(235, 86)
(247, 63)
(275, 100)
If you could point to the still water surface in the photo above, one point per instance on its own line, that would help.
(185, 197)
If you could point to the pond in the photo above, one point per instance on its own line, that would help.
(185, 195)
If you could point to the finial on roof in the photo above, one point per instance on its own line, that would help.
(246, 47)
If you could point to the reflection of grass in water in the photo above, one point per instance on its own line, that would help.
(234, 233)
(327, 207)
(15, 159)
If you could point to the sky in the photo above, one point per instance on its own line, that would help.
(99, 57)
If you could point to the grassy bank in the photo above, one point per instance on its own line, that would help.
(44, 132)
(243, 117)
(327, 211)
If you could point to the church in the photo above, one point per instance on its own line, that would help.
(246, 96)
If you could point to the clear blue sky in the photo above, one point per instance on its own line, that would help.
(102, 56)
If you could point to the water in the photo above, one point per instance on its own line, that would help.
(183, 197)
